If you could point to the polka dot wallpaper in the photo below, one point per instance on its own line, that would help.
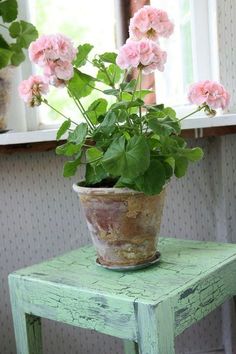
(40, 217)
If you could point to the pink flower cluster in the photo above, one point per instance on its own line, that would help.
(31, 90)
(151, 23)
(54, 53)
(144, 53)
(210, 93)
(141, 49)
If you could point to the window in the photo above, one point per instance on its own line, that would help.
(189, 49)
(192, 49)
(82, 21)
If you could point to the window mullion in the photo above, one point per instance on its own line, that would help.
(201, 40)
(31, 115)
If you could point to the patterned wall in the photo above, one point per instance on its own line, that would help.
(40, 217)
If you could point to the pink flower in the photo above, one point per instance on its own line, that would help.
(51, 48)
(151, 23)
(62, 70)
(145, 54)
(54, 53)
(151, 56)
(128, 55)
(32, 89)
(209, 92)
(146, 51)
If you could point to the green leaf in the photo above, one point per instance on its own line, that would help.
(194, 154)
(79, 134)
(155, 108)
(93, 154)
(170, 112)
(8, 10)
(169, 170)
(94, 174)
(127, 159)
(153, 180)
(81, 85)
(14, 29)
(122, 115)
(171, 162)
(68, 149)
(3, 43)
(82, 54)
(107, 126)
(125, 182)
(18, 55)
(128, 96)
(70, 167)
(163, 126)
(180, 141)
(24, 33)
(126, 105)
(5, 56)
(181, 166)
(108, 57)
(63, 128)
(128, 86)
(96, 109)
(113, 92)
(111, 76)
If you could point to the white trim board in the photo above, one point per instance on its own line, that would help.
(12, 138)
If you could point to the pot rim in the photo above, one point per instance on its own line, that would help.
(103, 190)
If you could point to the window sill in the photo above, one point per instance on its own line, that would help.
(36, 136)
(191, 127)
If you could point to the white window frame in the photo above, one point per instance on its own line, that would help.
(204, 46)
(204, 24)
(27, 68)
(204, 39)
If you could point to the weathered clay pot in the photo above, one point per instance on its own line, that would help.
(5, 77)
(124, 224)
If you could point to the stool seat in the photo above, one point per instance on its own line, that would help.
(149, 307)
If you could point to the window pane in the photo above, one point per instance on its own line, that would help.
(84, 22)
(172, 84)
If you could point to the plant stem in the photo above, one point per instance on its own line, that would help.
(63, 115)
(140, 108)
(82, 111)
(95, 88)
(135, 88)
(190, 114)
(125, 75)
(95, 160)
(108, 76)
(4, 26)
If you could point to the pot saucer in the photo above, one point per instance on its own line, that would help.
(155, 260)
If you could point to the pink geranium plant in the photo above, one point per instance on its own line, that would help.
(127, 143)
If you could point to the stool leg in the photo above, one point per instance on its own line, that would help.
(156, 329)
(27, 327)
(27, 333)
(130, 347)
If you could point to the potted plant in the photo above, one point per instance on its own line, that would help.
(12, 54)
(130, 149)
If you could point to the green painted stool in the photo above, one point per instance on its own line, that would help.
(149, 306)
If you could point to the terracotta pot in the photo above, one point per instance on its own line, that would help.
(124, 224)
(5, 79)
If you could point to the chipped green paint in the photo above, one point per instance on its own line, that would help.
(149, 306)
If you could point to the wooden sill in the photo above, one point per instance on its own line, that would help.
(51, 145)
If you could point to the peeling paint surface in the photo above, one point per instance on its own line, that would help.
(149, 306)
